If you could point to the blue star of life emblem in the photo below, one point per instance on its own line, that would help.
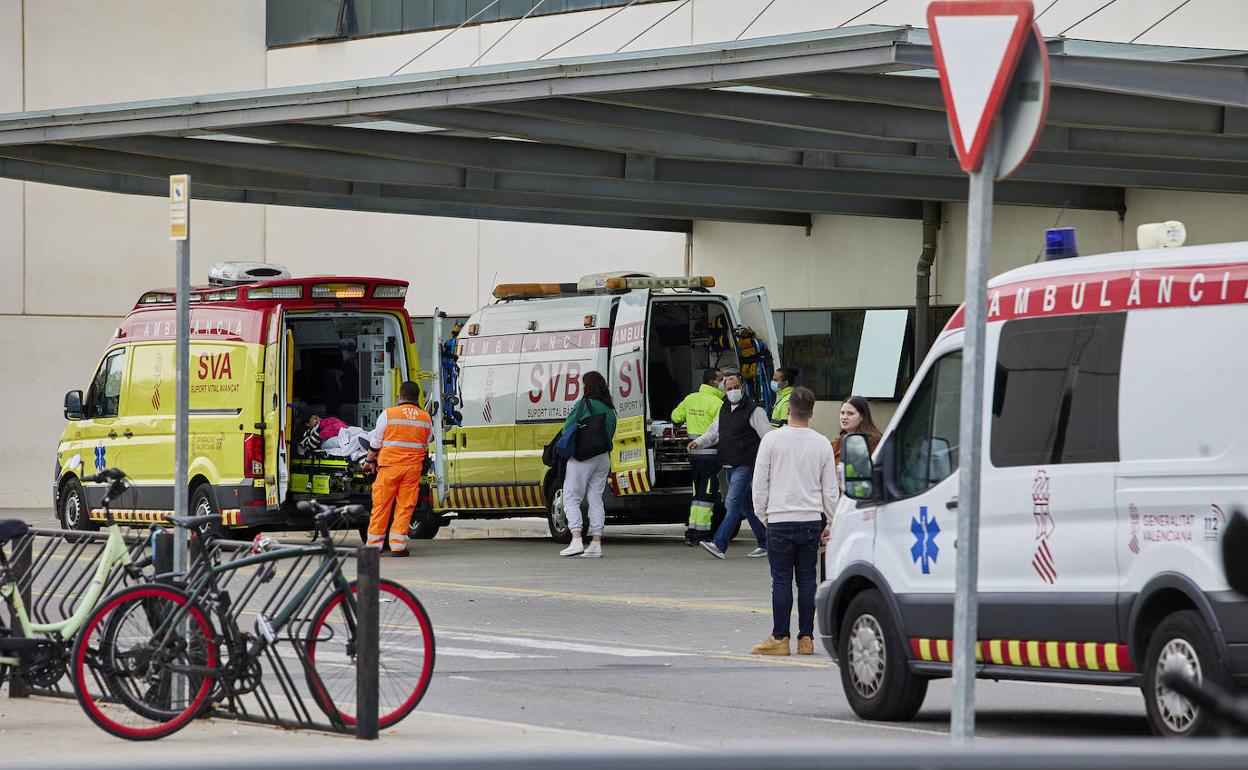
(925, 530)
(100, 463)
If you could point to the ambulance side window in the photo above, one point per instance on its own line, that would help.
(1055, 394)
(105, 397)
(927, 435)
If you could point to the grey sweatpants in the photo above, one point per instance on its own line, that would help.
(584, 481)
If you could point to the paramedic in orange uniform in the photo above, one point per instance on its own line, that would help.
(399, 446)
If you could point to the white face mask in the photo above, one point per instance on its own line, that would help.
(735, 395)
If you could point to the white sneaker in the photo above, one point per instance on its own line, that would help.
(575, 548)
(757, 553)
(593, 551)
(712, 549)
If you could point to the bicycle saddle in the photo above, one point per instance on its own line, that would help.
(12, 529)
(191, 522)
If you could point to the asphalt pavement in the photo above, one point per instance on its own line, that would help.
(648, 646)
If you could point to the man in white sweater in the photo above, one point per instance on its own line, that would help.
(795, 493)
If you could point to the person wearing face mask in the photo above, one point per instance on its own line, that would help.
(737, 432)
(697, 412)
(782, 385)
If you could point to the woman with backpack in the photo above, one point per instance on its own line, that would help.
(592, 422)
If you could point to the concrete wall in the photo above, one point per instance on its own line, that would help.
(74, 261)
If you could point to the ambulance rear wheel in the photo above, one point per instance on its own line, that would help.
(875, 673)
(556, 519)
(73, 511)
(204, 502)
(1181, 641)
(424, 525)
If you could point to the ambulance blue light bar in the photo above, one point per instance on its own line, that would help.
(1059, 243)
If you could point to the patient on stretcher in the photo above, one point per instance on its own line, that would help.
(335, 438)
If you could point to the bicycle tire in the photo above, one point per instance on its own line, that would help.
(334, 692)
(107, 693)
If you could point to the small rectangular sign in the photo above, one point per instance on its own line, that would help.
(179, 206)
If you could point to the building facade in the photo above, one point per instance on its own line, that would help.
(75, 261)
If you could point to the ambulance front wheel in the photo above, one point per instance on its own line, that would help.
(556, 519)
(72, 510)
(875, 673)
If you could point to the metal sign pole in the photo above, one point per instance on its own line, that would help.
(180, 232)
(966, 599)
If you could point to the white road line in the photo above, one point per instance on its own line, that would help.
(551, 645)
(881, 726)
(464, 652)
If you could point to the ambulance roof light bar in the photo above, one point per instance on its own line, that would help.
(701, 282)
(506, 291)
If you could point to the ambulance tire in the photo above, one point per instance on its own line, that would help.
(424, 525)
(875, 672)
(204, 502)
(1182, 639)
(556, 521)
(73, 511)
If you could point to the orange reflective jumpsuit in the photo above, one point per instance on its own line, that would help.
(402, 436)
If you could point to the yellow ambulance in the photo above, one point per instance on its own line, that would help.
(517, 370)
(266, 352)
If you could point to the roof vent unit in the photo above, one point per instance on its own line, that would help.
(239, 273)
(1161, 235)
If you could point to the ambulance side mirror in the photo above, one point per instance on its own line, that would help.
(73, 405)
(1234, 546)
(859, 471)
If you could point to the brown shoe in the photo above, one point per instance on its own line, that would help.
(805, 645)
(396, 554)
(772, 646)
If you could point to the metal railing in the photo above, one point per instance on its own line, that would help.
(53, 567)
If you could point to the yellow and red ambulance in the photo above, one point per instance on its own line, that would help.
(519, 363)
(266, 351)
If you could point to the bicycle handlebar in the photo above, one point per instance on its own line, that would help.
(1229, 707)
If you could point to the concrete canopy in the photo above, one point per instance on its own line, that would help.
(768, 131)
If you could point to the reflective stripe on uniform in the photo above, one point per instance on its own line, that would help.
(414, 423)
(408, 444)
(700, 512)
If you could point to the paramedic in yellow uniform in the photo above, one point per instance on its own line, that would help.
(399, 444)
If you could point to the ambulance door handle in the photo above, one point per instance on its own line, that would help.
(112, 434)
(128, 434)
(952, 505)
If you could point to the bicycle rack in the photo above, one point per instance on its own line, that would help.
(54, 567)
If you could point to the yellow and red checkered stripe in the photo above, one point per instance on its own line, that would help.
(506, 497)
(1076, 656)
(230, 517)
(631, 482)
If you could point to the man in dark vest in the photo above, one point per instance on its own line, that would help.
(737, 432)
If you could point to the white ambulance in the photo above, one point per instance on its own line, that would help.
(1115, 444)
(518, 366)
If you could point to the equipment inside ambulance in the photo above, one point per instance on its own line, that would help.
(515, 374)
(1113, 450)
(267, 351)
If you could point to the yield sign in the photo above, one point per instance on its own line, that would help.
(977, 45)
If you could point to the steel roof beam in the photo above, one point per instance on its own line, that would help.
(226, 177)
(1178, 81)
(137, 185)
(391, 172)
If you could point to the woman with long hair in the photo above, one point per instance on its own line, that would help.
(585, 479)
(856, 418)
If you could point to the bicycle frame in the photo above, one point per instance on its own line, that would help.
(115, 552)
(206, 585)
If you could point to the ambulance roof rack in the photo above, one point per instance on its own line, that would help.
(240, 273)
(602, 283)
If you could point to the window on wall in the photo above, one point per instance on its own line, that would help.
(305, 21)
(861, 351)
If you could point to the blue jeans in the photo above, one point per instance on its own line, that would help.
(740, 503)
(793, 552)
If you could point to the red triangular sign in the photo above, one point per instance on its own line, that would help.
(977, 44)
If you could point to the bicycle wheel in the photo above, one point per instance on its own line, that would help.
(137, 673)
(405, 642)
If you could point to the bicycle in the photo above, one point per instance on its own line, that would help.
(41, 654)
(153, 657)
